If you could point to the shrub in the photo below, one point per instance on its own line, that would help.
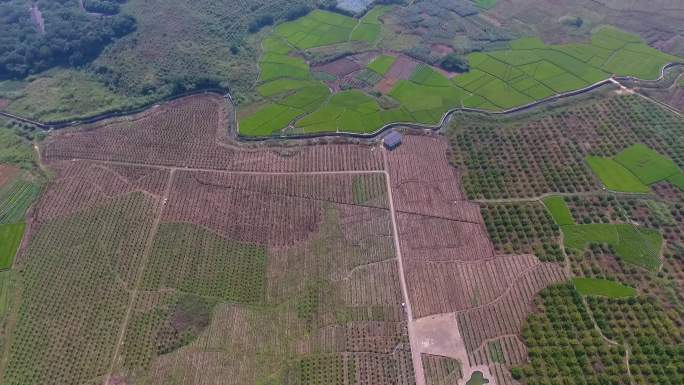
(260, 23)
(454, 62)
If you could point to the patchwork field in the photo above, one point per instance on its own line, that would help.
(527, 71)
(315, 298)
(288, 256)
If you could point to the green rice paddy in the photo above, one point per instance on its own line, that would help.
(634, 168)
(10, 238)
(677, 180)
(635, 245)
(603, 287)
(559, 210)
(382, 64)
(648, 165)
(486, 4)
(614, 176)
(526, 72)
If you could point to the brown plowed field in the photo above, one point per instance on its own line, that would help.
(423, 181)
(80, 185)
(7, 173)
(435, 239)
(477, 283)
(402, 68)
(339, 67)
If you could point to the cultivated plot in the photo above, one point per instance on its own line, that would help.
(525, 72)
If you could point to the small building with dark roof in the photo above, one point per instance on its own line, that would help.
(392, 140)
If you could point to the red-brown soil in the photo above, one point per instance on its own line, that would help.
(4, 103)
(402, 68)
(7, 173)
(339, 68)
(385, 85)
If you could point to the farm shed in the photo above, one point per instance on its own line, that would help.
(392, 140)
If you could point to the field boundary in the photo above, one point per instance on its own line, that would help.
(234, 131)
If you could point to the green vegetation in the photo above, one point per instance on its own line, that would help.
(528, 71)
(54, 33)
(580, 236)
(455, 63)
(677, 180)
(10, 238)
(61, 95)
(522, 228)
(634, 168)
(321, 28)
(496, 352)
(14, 149)
(382, 64)
(564, 346)
(486, 4)
(15, 198)
(229, 271)
(638, 246)
(350, 111)
(477, 378)
(603, 287)
(614, 176)
(87, 310)
(648, 165)
(4, 292)
(559, 210)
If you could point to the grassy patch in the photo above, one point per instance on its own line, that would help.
(10, 238)
(321, 28)
(603, 287)
(4, 291)
(59, 95)
(614, 176)
(559, 210)
(382, 64)
(639, 246)
(648, 165)
(632, 244)
(677, 180)
(477, 378)
(486, 4)
(580, 236)
(14, 149)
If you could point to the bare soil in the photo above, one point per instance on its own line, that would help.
(7, 173)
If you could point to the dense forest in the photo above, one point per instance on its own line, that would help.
(46, 33)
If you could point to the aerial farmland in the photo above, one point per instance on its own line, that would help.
(316, 192)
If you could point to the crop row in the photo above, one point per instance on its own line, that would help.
(507, 314)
